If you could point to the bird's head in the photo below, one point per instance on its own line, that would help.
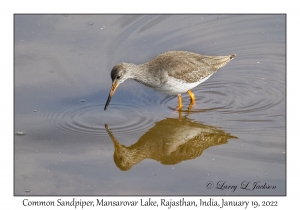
(119, 74)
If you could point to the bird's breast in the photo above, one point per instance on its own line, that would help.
(161, 81)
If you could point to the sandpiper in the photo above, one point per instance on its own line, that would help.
(173, 73)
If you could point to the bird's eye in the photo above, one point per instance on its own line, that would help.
(118, 77)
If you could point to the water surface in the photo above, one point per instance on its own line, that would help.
(66, 144)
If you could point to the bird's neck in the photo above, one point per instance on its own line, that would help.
(144, 74)
(138, 72)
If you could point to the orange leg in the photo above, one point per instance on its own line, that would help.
(192, 96)
(179, 101)
(179, 114)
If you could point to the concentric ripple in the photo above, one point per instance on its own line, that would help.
(90, 119)
(238, 97)
(255, 96)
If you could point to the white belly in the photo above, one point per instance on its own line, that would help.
(175, 86)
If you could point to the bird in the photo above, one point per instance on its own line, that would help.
(172, 73)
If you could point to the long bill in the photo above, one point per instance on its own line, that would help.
(111, 93)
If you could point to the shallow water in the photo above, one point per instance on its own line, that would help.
(66, 144)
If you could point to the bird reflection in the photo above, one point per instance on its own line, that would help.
(169, 142)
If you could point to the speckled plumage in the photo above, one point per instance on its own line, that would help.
(172, 72)
(187, 66)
